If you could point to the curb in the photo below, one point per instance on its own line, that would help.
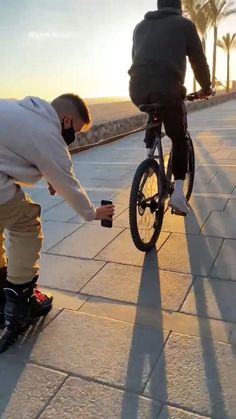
(128, 126)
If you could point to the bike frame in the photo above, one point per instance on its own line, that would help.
(156, 127)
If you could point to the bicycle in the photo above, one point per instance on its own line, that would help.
(153, 182)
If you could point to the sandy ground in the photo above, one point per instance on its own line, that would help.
(110, 111)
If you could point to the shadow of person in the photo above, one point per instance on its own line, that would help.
(209, 353)
(14, 369)
(147, 342)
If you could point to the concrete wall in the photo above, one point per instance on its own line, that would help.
(108, 130)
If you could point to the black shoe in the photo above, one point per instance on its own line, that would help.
(3, 277)
(22, 309)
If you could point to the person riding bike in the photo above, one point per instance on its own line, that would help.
(161, 43)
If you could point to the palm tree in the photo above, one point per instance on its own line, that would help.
(227, 43)
(218, 9)
(197, 11)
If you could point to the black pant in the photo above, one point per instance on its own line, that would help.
(174, 117)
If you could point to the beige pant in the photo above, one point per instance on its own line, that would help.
(20, 217)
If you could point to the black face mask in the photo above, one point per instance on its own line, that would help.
(68, 133)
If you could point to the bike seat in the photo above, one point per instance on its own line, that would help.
(151, 107)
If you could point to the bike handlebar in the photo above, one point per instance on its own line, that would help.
(199, 96)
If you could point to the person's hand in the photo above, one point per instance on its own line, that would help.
(51, 189)
(105, 212)
(205, 93)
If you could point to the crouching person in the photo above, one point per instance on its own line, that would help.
(34, 139)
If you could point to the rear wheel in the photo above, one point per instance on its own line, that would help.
(145, 208)
(189, 180)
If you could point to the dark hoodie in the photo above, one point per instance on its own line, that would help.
(161, 43)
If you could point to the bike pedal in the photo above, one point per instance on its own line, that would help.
(177, 212)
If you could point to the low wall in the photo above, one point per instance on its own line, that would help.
(112, 130)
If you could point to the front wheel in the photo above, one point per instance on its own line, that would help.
(146, 210)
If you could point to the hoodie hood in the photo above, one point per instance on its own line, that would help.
(39, 106)
(162, 13)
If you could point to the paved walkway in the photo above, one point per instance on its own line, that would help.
(134, 336)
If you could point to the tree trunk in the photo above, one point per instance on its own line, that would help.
(214, 57)
(228, 70)
(204, 44)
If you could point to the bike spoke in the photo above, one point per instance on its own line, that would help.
(146, 217)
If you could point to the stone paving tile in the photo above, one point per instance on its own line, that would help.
(87, 242)
(102, 173)
(231, 205)
(148, 286)
(33, 192)
(221, 224)
(113, 155)
(213, 140)
(118, 183)
(62, 212)
(168, 320)
(98, 194)
(55, 232)
(82, 399)
(226, 153)
(225, 264)
(225, 186)
(110, 351)
(46, 200)
(200, 208)
(228, 169)
(89, 183)
(32, 334)
(122, 197)
(173, 413)
(220, 164)
(189, 254)
(122, 220)
(67, 273)
(65, 299)
(197, 375)
(122, 250)
(207, 203)
(25, 389)
(205, 174)
(212, 298)
(191, 224)
(78, 219)
(119, 208)
(43, 322)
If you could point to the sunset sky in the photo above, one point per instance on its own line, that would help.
(49, 47)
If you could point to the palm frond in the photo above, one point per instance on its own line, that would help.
(220, 44)
(219, 9)
(227, 42)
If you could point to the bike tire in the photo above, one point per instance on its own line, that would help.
(140, 172)
(191, 168)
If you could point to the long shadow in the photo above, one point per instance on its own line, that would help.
(212, 375)
(147, 343)
(12, 367)
(141, 352)
(208, 159)
(213, 379)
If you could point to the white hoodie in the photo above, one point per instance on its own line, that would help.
(32, 147)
